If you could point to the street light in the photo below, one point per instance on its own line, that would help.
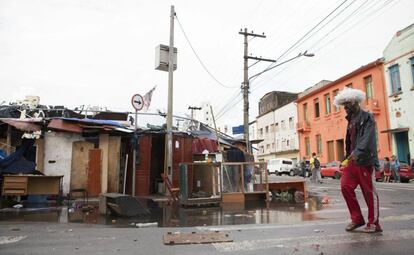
(246, 86)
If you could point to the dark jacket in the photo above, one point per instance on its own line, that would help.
(366, 141)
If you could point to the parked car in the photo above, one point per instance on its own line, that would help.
(279, 166)
(406, 174)
(332, 169)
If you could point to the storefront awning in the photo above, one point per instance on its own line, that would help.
(396, 130)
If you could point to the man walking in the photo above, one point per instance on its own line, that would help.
(315, 166)
(361, 153)
(302, 166)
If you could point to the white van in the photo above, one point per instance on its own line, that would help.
(279, 166)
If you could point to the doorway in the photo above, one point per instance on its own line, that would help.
(157, 162)
(331, 154)
(340, 151)
(403, 150)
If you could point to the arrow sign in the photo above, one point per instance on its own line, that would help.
(137, 102)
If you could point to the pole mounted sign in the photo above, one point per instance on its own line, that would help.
(137, 102)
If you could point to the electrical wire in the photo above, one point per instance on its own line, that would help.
(314, 27)
(320, 39)
(325, 24)
(362, 18)
(352, 26)
(199, 59)
(342, 33)
(235, 102)
(293, 46)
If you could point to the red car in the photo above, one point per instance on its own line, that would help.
(406, 174)
(332, 169)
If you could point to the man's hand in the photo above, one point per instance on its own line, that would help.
(352, 157)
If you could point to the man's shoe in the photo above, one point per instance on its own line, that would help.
(372, 229)
(352, 226)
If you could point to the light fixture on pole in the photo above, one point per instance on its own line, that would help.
(246, 86)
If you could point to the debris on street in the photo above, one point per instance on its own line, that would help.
(196, 238)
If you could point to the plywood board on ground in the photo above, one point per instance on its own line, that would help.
(196, 238)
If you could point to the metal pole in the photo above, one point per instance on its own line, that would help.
(134, 166)
(170, 97)
(125, 173)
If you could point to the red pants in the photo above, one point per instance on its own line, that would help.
(352, 176)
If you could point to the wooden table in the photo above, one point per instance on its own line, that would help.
(28, 184)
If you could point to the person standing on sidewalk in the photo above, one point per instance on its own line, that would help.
(387, 170)
(362, 158)
(315, 167)
(412, 164)
(395, 168)
(302, 165)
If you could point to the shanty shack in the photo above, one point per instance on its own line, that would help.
(87, 153)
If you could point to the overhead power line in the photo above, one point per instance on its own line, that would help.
(373, 9)
(314, 27)
(315, 32)
(199, 59)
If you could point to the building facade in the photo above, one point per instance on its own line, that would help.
(322, 126)
(399, 77)
(204, 115)
(276, 129)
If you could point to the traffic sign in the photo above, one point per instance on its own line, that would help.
(137, 102)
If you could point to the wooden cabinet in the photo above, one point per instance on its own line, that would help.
(15, 185)
(20, 185)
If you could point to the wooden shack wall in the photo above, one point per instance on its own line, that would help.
(182, 152)
(79, 168)
(143, 166)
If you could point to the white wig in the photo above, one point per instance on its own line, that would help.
(349, 95)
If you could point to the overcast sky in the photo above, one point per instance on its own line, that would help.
(101, 52)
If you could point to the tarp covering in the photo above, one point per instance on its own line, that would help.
(96, 122)
(9, 111)
(76, 125)
(16, 163)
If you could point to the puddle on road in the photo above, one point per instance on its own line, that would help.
(255, 212)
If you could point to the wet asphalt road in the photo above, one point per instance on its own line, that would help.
(323, 234)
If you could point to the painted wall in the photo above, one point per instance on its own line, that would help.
(58, 155)
(332, 127)
(253, 136)
(281, 142)
(401, 108)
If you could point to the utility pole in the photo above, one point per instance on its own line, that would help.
(169, 141)
(192, 108)
(245, 86)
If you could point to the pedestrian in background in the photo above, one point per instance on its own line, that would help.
(362, 158)
(387, 170)
(315, 166)
(302, 165)
(395, 168)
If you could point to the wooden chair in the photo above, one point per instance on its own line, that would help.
(173, 192)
